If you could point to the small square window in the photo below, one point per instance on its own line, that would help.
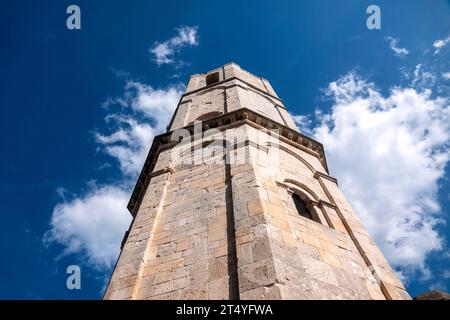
(212, 78)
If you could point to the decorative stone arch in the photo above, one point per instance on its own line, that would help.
(295, 155)
(263, 95)
(309, 197)
(311, 194)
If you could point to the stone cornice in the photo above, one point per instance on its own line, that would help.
(211, 86)
(219, 84)
(231, 119)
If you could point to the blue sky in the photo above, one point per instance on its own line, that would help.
(78, 110)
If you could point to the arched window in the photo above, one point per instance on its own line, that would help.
(301, 206)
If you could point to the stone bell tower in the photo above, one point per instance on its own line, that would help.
(264, 220)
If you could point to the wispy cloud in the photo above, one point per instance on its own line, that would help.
(147, 111)
(423, 78)
(393, 44)
(91, 224)
(164, 52)
(440, 44)
(303, 123)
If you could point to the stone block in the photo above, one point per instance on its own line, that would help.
(270, 292)
(163, 276)
(221, 251)
(244, 254)
(218, 289)
(257, 274)
(311, 240)
(261, 248)
(330, 259)
(254, 207)
(216, 234)
(319, 270)
(289, 239)
(218, 268)
(183, 244)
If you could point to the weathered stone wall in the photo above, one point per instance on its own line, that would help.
(188, 253)
(205, 103)
(180, 233)
(312, 260)
(264, 105)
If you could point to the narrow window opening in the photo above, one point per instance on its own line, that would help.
(301, 207)
(212, 78)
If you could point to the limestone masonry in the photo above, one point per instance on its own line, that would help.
(275, 226)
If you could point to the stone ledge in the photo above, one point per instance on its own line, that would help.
(318, 174)
(228, 80)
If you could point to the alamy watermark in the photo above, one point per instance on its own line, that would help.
(374, 20)
(73, 21)
(74, 280)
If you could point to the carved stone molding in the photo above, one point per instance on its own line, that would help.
(162, 171)
(318, 174)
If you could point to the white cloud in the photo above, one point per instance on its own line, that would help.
(393, 44)
(303, 123)
(130, 141)
(164, 51)
(446, 75)
(439, 44)
(91, 225)
(389, 153)
(129, 144)
(157, 104)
